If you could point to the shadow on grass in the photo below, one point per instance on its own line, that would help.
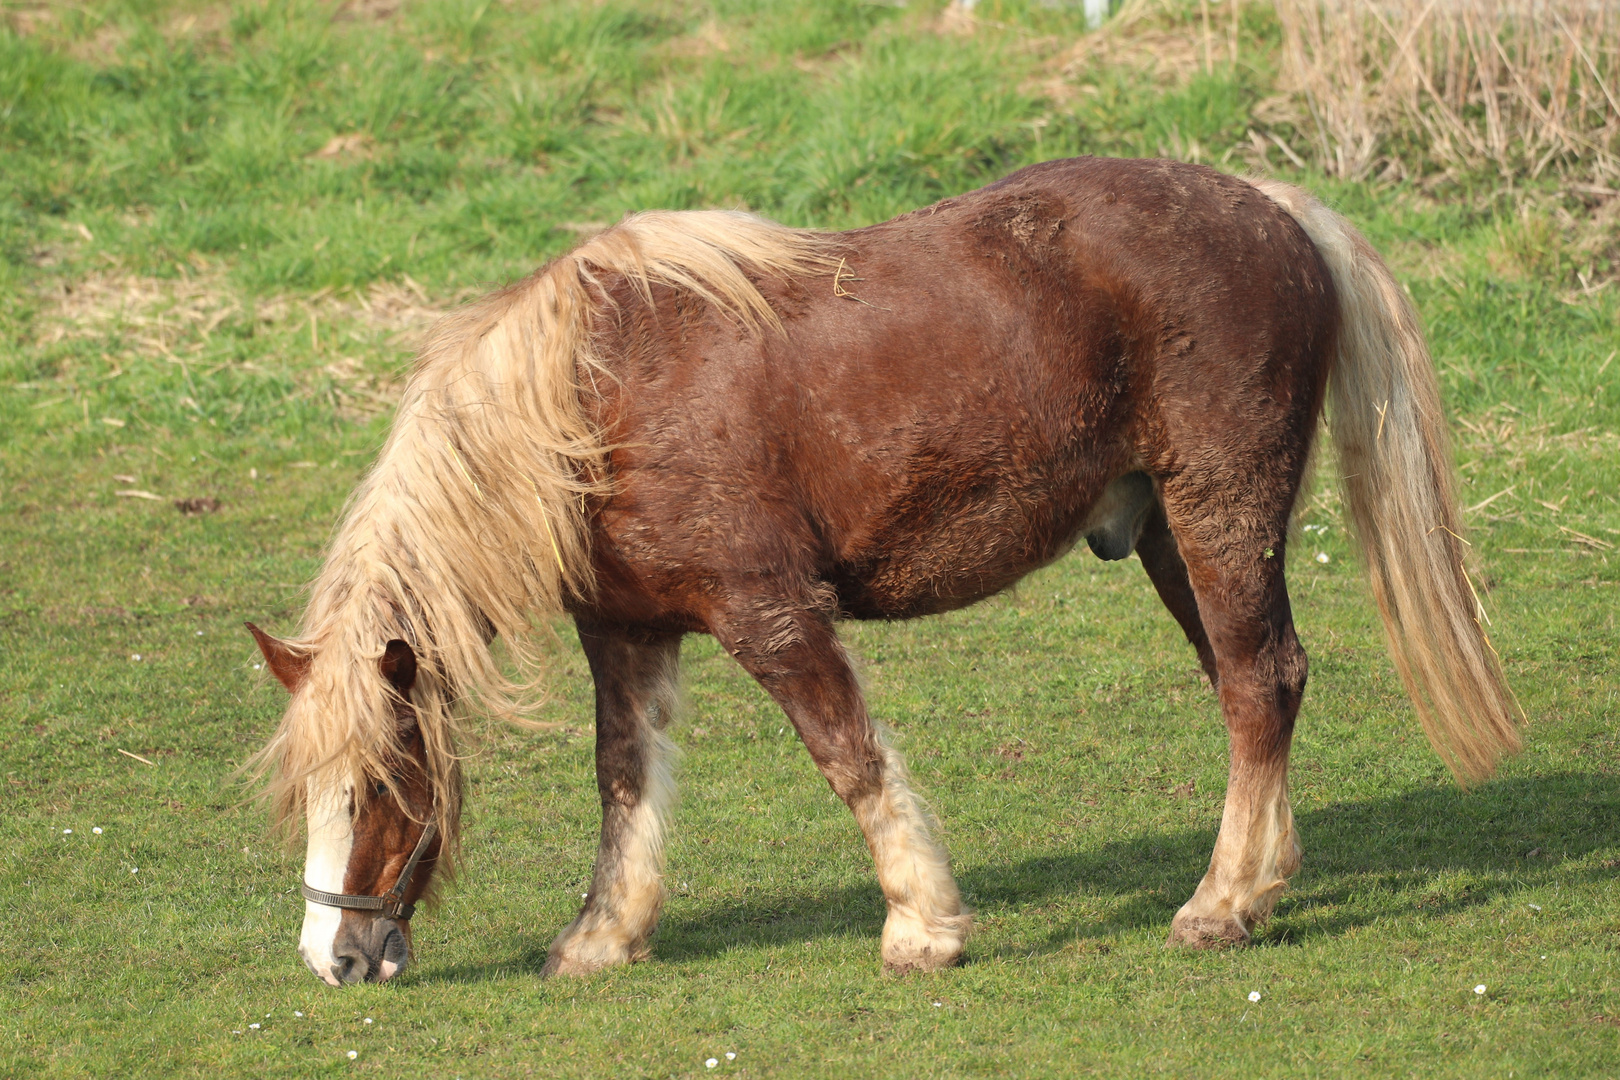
(1439, 849)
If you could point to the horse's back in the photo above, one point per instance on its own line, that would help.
(945, 406)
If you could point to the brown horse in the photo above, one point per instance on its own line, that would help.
(704, 422)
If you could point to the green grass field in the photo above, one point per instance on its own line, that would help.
(222, 227)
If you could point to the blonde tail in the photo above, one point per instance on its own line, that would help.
(1390, 434)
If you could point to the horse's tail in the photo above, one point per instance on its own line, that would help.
(1389, 431)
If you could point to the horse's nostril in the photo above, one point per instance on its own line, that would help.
(349, 968)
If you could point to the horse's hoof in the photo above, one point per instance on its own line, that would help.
(571, 965)
(1203, 932)
(910, 945)
(563, 964)
(928, 959)
(584, 956)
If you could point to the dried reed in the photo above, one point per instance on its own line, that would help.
(1450, 87)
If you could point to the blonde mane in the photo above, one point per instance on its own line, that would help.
(473, 521)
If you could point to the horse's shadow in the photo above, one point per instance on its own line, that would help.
(1459, 848)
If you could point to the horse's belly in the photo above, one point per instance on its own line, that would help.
(936, 565)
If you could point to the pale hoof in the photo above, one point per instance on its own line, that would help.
(927, 960)
(578, 954)
(1204, 932)
(910, 945)
(565, 964)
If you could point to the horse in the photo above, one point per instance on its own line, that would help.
(704, 422)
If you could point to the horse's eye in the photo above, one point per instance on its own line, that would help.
(380, 789)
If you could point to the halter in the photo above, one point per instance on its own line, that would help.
(392, 903)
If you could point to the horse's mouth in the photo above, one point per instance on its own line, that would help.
(383, 956)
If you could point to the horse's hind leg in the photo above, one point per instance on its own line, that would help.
(1231, 531)
(1156, 547)
(635, 693)
(795, 655)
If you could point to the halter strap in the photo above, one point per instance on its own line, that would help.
(392, 903)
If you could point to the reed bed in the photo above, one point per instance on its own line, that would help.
(1521, 89)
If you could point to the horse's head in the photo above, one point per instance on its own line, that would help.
(367, 835)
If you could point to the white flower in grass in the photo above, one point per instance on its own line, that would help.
(67, 832)
(134, 656)
(1254, 995)
(368, 1019)
(1321, 556)
(96, 830)
(134, 869)
(298, 1014)
(353, 1054)
(253, 1027)
(1480, 989)
(731, 1055)
(711, 1063)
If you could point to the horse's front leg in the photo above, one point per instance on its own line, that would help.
(796, 656)
(635, 695)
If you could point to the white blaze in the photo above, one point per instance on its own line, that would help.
(331, 839)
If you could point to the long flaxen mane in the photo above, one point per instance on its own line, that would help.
(473, 522)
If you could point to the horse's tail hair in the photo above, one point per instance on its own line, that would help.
(1390, 435)
(475, 521)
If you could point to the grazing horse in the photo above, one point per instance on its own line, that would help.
(708, 423)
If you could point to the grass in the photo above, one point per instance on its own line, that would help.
(221, 227)
(1481, 85)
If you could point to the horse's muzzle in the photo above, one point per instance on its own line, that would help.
(367, 949)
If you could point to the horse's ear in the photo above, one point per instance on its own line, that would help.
(398, 665)
(287, 664)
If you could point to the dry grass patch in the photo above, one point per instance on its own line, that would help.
(1145, 37)
(1416, 88)
(96, 37)
(368, 10)
(1505, 432)
(160, 315)
(175, 320)
(706, 40)
(94, 41)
